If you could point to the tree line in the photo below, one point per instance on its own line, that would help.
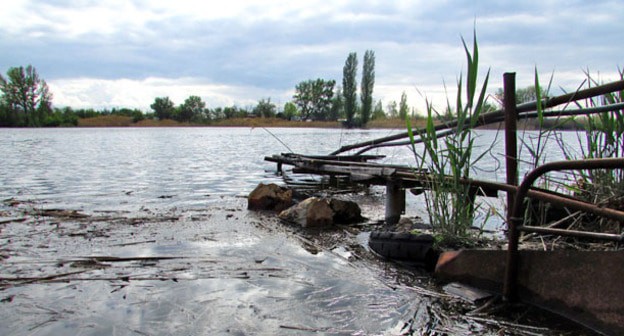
(26, 101)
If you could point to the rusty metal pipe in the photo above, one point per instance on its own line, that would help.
(509, 289)
(497, 115)
(511, 139)
(523, 115)
(572, 233)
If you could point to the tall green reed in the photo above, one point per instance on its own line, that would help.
(603, 138)
(535, 143)
(448, 160)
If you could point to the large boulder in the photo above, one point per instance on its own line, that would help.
(315, 212)
(312, 212)
(269, 197)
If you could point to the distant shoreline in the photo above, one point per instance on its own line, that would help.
(395, 123)
(122, 121)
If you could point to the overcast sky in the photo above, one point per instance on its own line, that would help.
(124, 53)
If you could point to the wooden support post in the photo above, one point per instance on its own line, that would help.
(395, 202)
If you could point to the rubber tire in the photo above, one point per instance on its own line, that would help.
(404, 246)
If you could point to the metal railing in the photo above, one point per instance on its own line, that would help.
(515, 226)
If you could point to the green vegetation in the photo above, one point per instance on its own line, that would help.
(25, 101)
(603, 138)
(163, 108)
(403, 108)
(193, 108)
(349, 88)
(448, 160)
(265, 108)
(314, 98)
(523, 95)
(368, 83)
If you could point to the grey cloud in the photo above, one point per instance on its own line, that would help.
(415, 44)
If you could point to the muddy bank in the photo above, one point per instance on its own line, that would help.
(218, 270)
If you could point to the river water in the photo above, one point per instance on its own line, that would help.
(170, 202)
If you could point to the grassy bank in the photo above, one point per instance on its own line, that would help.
(121, 121)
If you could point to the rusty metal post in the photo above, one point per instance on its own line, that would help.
(395, 202)
(511, 140)
(511, 167)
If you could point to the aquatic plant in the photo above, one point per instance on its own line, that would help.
(536, 144)
(603, 138)
(448, 160)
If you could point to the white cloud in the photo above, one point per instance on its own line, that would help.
(100, 93)
(127, 52)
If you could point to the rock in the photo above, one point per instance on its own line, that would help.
(345, 211)
(269, 197)
(404, 225)
(312, 212)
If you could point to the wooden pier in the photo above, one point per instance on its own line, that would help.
(358, 169)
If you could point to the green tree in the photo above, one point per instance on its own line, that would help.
(193, 107)
(6, 117)
(217, 113)
(234, 112)
(337, 108)
(265, 108)
(290, 110)
(230, 112)
(523, 95)
(137, 115)
(86, 113)
(163, 108)
(367, 85)
(61, 117)
(392, 110)
(378, 112)
(349, 88)
(26, 99)
(403, 107)
(314, 98)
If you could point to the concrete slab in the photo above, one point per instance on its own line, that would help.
(584, 286)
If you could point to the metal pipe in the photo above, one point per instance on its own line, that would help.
(498, 115)
(572, 233)
(523, 115)
(509, 289)
(511, 139)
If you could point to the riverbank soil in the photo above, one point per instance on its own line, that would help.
(221, 270)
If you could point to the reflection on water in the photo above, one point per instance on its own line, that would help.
(176, 193)
(115, 168)
(112, 168)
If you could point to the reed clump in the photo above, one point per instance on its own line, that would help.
(417, 122)
(106, 121)
(273, 122)
(448, 160)
(603, 138)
